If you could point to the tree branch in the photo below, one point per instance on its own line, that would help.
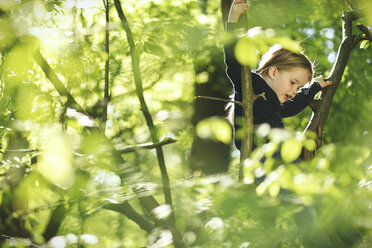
(322, 107)
(366, 31)
(217, 99)
(107, 63)
(55, 220)
(314, 105)
(126, 209)
(165, 141)
(138, 82)
(347, 18)
(58, 85)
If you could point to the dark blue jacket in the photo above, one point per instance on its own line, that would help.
(268, 110)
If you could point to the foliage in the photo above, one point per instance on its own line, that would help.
(64, 180)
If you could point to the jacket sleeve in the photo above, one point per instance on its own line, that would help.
(233, 67)
(302, 99)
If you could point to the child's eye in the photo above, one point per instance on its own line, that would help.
(293, 83)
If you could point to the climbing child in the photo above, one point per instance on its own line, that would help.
(282, 75)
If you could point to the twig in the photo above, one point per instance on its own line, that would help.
(217, 99)
(165, 141)
(263, 95)
(138, 82)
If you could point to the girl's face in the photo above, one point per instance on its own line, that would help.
(286, 83)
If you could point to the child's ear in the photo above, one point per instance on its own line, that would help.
(273, 71)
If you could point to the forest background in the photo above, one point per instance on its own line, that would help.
(104, 145)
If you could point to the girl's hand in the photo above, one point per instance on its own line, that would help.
(238, 7)
(321, 81)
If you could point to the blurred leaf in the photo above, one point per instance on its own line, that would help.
(309, 144)
(214, 128)
(291, 150)
(246, 53)
(8, 5)
(162, 211)
(274, 189)
(202, 77)
(56, 161)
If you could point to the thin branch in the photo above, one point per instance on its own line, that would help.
(366, 31)
(217, 99)
(58, 85)
(55, 221)
(165, 141)
(126, 209)
(263, 95)
(107, 64)
(138, 82)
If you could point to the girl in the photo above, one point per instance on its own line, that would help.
(280, 75)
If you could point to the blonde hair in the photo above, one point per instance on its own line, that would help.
(284, 59)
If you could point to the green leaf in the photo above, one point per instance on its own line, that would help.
(365, 44)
